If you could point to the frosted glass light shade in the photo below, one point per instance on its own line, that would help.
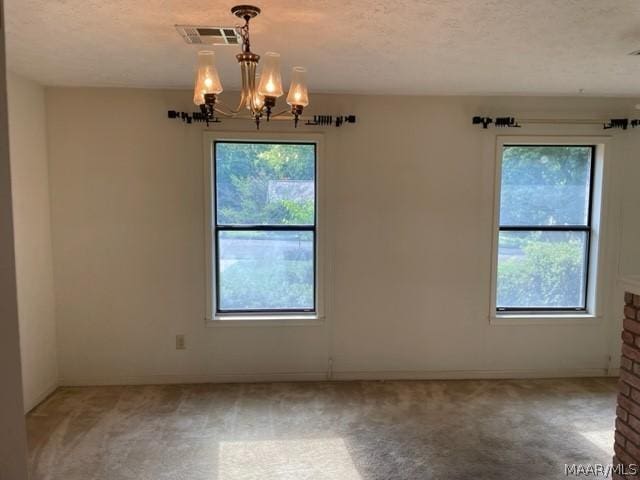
(198, 94)
(270, 78)
(207, 79)
(298, 93)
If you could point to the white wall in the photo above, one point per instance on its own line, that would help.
(31, 214)
(13, 445)
(409, 211)
(630, 262)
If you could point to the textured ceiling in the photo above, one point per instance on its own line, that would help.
(375, 46)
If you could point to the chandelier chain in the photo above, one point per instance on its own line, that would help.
(243, 31)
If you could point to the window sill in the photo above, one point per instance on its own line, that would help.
(265, 321)
(544, 319)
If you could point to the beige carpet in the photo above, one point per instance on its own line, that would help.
(343, 431)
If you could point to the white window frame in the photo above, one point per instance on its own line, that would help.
(594, 293)
(262, 319)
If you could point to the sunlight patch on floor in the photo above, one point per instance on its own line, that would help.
(320, 458)
(603, 439)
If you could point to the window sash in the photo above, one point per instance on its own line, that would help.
(545, 228)
(262, 228)
(218, 228)
(583, 307)
(587, 229)
(592, 166)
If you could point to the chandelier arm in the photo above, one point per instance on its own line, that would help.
(225, 114)
(283, 112)
(230, 112)
(243, 101)
(256, 106)
(243, 117)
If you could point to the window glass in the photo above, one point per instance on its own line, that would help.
(542, 269)
(545, 185)
(265, 184)
(545, 227)
(265, 227)
(270, 270)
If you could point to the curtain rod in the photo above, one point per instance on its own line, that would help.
(517, 122)
(313, 120)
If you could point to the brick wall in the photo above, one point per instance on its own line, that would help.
(627, 437)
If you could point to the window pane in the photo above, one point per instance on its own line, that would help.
(541, 269)
(266, 270)
(265, 184)
(545, 185)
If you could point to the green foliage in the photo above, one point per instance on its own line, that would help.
(545, 165)
(258, 284)
(297, 213)
(549, 274)
(244, 172)
(546, 185)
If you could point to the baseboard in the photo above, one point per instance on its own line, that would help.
(40, 398)
(160, 379)
(337, 376)
(471, 374)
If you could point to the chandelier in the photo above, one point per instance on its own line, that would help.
(256, 101)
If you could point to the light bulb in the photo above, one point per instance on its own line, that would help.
(270, 87)
(270, 79)
(298, 93)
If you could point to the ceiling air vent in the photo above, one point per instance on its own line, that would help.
(198, 35)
